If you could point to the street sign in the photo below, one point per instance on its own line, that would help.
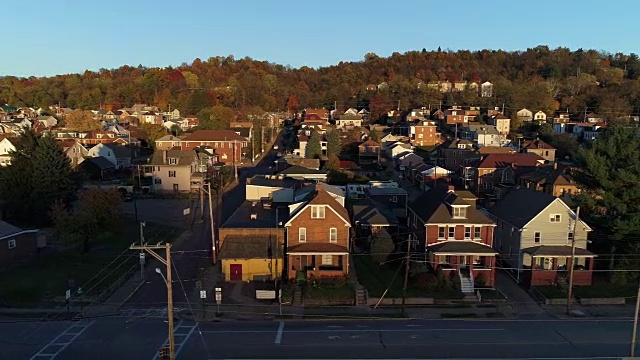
(141, 255)
(186, 211)
(67, 294)
(218, 294)
(203, 294)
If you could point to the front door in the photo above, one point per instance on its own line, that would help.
(235, 272)
(175, 188)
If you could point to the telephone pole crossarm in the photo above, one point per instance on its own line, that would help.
(149, 250)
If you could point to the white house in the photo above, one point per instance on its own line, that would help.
(525, 115)
(104, 151)
(398, 149)
(408, 160)
(348, 121)
(169, 124)
(486, 89)
(483, 135)
(7, 145)
(351, 111)
(540, 116)
(387, 141)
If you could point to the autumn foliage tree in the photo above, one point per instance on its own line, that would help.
(81, 120)
(97, 210)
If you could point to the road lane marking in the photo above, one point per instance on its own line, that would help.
(333, 337)
(338, 330)
(413, 325)
(279, 333)
(183, 335)
(74, 331)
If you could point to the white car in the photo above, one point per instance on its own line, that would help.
(275, 147)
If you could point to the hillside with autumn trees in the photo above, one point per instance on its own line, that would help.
(538, 79)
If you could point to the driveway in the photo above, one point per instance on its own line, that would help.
(523, 304)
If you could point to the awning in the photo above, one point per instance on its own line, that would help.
(557, 251)
(461, 247)
(317, 249)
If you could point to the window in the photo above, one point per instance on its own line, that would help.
(467, 232)
(172, 173)
(570, 236)
(555, 218)
(536, 237)
(12, 244)
(333, 235)
(452, 231)
(327, 259)
(302, 234)
(317, 212)
(441, 232)
(394, 199)
(459, 212)
(476, 232)
(173, 161)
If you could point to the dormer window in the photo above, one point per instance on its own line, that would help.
(459, 212)
(317, 212)
(173, 161)
(461, 146)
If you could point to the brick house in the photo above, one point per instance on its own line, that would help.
(456, 237)
(501, 122)
(318, 237)
(551, 180)
(539, 148)
(424, 133)
(368, 153)
(168, 141)
(229, 146)
(96, 137)
(487, 172)
(18, 244)
(455, 116)
(452, 153)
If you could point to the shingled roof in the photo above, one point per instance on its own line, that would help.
(434, 206)
(213, 135)
(521, 205)
(250, 247)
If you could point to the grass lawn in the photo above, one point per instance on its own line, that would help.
(491, 294)
(43, 281)
(377, 278)
(606, 291)
(551, 292)
(329, 292)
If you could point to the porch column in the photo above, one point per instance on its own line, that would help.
(591, 259)
(569, 263)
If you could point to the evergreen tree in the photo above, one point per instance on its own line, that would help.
(610, 174)
(332, 163)
(374, 135)
(334, 145)
(313, 149)
(40, 173)
(381, 247)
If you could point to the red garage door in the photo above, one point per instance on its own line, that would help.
(236, 272)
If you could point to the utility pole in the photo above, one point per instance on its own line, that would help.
(573, 259)
(262, 139)
(635, 324)
(213, 236)
(406, 274)
(235, 162)
(202, 202)
(142, 225)
(150, 249)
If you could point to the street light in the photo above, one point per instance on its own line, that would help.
(161, 274)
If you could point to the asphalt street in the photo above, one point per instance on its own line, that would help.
(141, 337)
(194, 254)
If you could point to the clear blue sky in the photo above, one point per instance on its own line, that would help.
(42, 37)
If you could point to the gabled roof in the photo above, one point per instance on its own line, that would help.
(169, 138)
(322, 197)
(7, 229)
(522, 205)
(213, 135)
(549, 175)
(369, 142)
(496, 161)
(431, 207)
(372, 213)
(486, 150)
(536, 144)
(298, 170)
(100, 162)
(453, 144)
(185, 157)
(120, 151)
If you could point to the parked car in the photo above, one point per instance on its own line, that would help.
(275, 147)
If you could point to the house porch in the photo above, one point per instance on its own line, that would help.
(318, 265)
(549, 265)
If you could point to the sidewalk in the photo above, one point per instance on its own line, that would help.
(591, 311)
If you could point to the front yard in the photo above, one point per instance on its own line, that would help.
(44, 280)
(377, 278)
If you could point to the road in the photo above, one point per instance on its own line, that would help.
(141, 337)
(194, 254)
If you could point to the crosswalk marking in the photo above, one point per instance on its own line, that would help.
(57, 345)
(182, 333)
